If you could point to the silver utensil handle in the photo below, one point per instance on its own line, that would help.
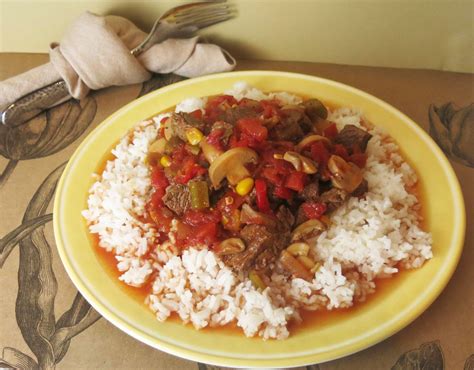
(34, 103)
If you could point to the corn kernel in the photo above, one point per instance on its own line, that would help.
(165, 161)
(244, 186)
(194, 136)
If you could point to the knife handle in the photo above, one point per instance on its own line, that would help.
(34, 103)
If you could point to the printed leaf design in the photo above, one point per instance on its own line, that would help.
(8, 242)
(7, 171)
(453, 130)
(469, 365)
(78, 318)
(14, 359)
(157, 81)
(428, 356)
(37, 283)
(46, 134)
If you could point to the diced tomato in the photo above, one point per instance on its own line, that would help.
(253, 128)
(234, 142)
(230, 201)
(161, 216)
(217, 104)
(183, 232)
(217, 100)
(320, 153)
(330, 131)
(198, 227)
(282, 192)
(313, 210)
(341, 151)
(270, 108)
(163, 120)
(359, 159)
(273, 176)
(160, 183)
(215, 136)
(296, 181)
(187, 170)
(206, 233)
(158, 178)
(196, 218)
(261, 194)
(156, 199)
(196, 113)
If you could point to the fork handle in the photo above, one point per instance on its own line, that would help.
(34, 103)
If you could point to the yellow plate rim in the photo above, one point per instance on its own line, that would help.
(378, 334)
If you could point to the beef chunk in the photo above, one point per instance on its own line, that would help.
(284, 225)
(287, 130)
(351, 135)
(257, 239)
(179, 123)
(361, 189)
(264, 259)
(263, 243)
(333, 198)
(177, 198)
(291, 126)
(300, 216)
(310, 192)
(232, 115)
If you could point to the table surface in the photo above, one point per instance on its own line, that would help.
(441, 338)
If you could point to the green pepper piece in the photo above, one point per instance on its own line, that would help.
(199, 192)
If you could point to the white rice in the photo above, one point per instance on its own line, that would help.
(368, 238)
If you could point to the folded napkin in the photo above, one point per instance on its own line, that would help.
(95, 53)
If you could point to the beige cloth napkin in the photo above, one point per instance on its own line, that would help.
(95, 53)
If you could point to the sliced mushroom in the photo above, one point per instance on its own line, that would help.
(298, 249)
(296, 268)
(311, 139)
(231, 164)
(210, 151)
(249, 216)
(307, 230)
(344, 175)
(300, 162)
(230, 246)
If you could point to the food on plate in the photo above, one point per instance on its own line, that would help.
(248, 207)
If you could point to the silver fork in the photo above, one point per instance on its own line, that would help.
(183, 19)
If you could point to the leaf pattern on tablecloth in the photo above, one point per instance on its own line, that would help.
(46, 134)
(453, 130)
(469, 365)
(428, 357)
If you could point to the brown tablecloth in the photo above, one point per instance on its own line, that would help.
(442, 337)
